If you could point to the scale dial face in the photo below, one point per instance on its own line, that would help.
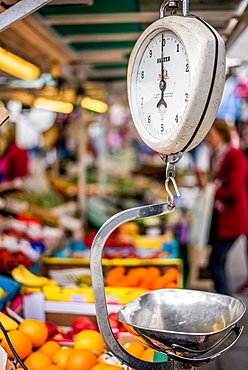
(175, 80)
(161, 78)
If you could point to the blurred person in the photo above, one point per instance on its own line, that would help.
(13, 159)
(244, 145)
(228, 168)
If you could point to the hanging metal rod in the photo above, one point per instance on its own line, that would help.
(19, 11)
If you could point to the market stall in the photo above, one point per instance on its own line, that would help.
(88, 168)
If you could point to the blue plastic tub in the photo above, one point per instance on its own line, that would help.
(11, 287)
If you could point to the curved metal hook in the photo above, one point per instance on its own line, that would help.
(174, 5)
(171, 197)
(167, 4)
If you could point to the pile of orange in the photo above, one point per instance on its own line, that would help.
(142, 277)
(30, 334)
(31, 345)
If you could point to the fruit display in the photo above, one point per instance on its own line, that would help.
(24, 240)
(142, 277)
(83, 281)
(122, 277)
(86, 352)
(47, 200)
(11, 259)
(82, 323)
(7, 323)
(127, 242)
(58, 333)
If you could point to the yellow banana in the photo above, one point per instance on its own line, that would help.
(52, 282)
(7, 323)
(32, 276)
(33, 289)
(26, 277)
(28, 273)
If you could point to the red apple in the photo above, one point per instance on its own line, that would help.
(81, 323)
(52, 328)
(60, 336)
(70, 334)
(92, 327)
(113, 316)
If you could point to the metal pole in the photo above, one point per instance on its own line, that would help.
(19, 11)
(185, 8)
(82, 132)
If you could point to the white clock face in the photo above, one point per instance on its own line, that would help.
(159, 88)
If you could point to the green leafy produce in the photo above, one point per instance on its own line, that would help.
(45, 200)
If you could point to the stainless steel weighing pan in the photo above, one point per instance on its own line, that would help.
(188, 321)
(184, 323)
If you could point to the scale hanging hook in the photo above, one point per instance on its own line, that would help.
(171, 174)
(166, 5)
(174, 5)
(170, 195)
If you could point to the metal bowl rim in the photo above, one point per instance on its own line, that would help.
(233, 324)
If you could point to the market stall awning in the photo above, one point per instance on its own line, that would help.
(92, 39)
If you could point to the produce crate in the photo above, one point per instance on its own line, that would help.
(163, 264)
(61, 313)
(11, 288)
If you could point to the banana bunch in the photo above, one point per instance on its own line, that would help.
(7, 323)
(26, 277)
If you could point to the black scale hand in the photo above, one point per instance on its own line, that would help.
(162, 82)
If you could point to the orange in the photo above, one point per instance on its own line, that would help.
(52, 367)
(116, 274)
(37, 361)
(21, 343)
(81, 359)
(89, 339)
(154, 271)
(136, 276)
(60, 357)
(147, 355)
(100, 366)
(134, 348)
(49, 348)
(36, 330)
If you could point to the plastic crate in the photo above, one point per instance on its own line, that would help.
(11, 287)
